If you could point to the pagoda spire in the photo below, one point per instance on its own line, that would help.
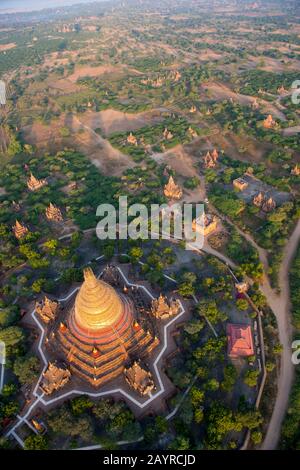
(19, 230)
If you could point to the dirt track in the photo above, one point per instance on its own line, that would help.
(281, 307)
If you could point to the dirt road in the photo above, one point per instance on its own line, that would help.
(280, 304)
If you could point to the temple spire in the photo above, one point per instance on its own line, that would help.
(89, 277)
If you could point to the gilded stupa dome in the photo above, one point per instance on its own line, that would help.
(97, 304)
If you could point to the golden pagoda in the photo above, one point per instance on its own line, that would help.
(34, 184)
(215, 155)
(16, 206)
(171, 190)
(269, 122)
(206, 224)
(242, 287)
(131, 139)
(163, 310)
(281, 90)
(258, 200)
(19, 230)
(54, 378)
(167, 134)
(296, 170)
(47, 309)
(192, 132)
(255, 104)
(176, 75)
(269, 205)
(210, 161)
(157, 83)
(139, 379)
(53, 213)
(100, 333)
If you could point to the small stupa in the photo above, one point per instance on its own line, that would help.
(192, 132)
(296, 170)
(139, 379)
(171, 190)
(162, 309)
(210, 161)
(19, 230)
(255, 104)
(131, 139)
(54, 378)
(47, 309)
(281, 90)
(258, 200)
(53, 213)
(269, 122)
(167, 134)
(35, 184)
(269, 205)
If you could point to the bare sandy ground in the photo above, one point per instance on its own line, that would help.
(6, 47)
(220, 92)
(100, 152)
(64, 85)
(208, 54)
(179, 160)
(231, 144)
(88, 71)
(291, 131)
(111, 120)
(108, 159)
(275, 65)
(185, 165)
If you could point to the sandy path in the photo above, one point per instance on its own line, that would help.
(281, 307)
(220, 92)
(111, 120)
(291, 131)
(108, 159)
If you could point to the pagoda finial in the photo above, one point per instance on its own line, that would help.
(89, 276)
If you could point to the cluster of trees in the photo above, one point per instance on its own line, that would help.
(203, 362)
(84, 420)
(250, 82)
(223, 420)
(153, 136)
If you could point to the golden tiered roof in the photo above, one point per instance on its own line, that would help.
(172, 190)
(54, 378)
(210, 159)
(47, 309)
(53, 213)
(100, 332)
(296, 170)
(139, 379)
(19, 230)
(162, 309)
(269, 122)
(97, 304)
(34, 184)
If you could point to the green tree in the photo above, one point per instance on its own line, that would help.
(36, 442)
(27, 369)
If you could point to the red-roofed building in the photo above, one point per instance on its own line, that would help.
(239, 339)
